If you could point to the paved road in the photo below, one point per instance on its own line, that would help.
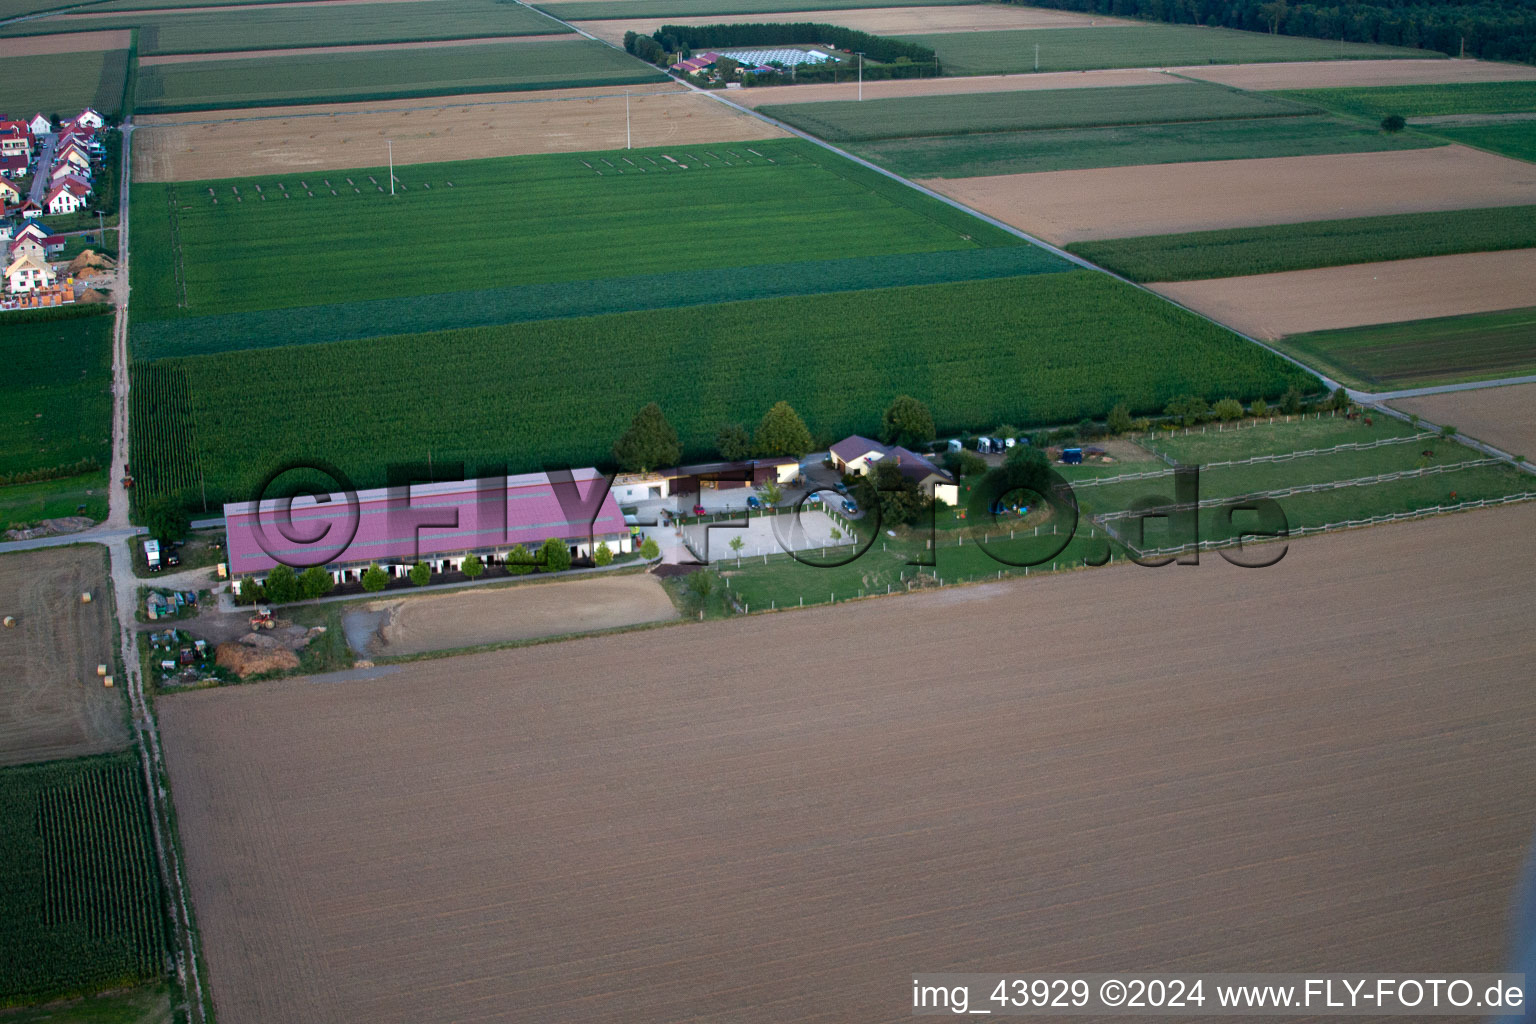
(1441, 389)
(44, 168)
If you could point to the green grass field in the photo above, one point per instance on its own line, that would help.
(286, 25)
(64, 82)
(81, 908)
(1327, 243)
(386, 74)
(1514, 138)
(83, 495)
(56, 402)
(850, 120)
(556, 218)
(1412, 101)
(1421, 353)
(579, 10)
(489, 307)
(1068, 149)
(1142, 46)
(1037, 349)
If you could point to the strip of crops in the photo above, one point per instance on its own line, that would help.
(55, 397)
(386, 74)
(1419, 353)
(1140, 46)
(82, 907)
(1200, 255)
(1068, 149)
(344, 321)
(851, 120)
(1043, 348)
(234, 28)
(1423, 100)
(64, 82)
(518, 221)
(1516, 139)
(877, 48)
(161, 432)
(577, 10)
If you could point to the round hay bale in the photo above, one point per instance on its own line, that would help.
(85, 597)
(10, 621)
(106, 681)
(101, 670)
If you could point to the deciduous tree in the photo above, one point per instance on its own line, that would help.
(649, 443)
(907, 422)
(782, 432)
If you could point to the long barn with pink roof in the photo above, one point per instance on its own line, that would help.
(437, 523)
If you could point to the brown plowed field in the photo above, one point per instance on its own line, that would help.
(1156, 199)
(561, 121)
(948, 86)
(476, 616)
(1503, 417)
(307, 51)
(1323, 765)
(1340, 74)
(1274, 305)
(51, 702)
(66, 42)
(890, 21)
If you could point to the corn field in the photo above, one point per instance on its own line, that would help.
(163, 439)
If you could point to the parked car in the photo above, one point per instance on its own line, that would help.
(840, 487)
(814, 498)
(753, 501)
(850, 506)
(698, 510)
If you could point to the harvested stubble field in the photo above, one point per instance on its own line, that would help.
(1503, 417)
(712, 847)
(1140, 46)
(64, 81)
(1342, 74)
(888, 21)
(1274, 305)
(1242, 252)
(69, 42)
(1419, 353)
(547, 63)
(1065, 149)
(284, 141)
(852, 120)
(1102, 342)
(500, 615)
(52, 704)
(211, 29)
(783, 94)
(1159, 199)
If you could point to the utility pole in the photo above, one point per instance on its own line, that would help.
(627, 136)
(101, 230)
(861, 76)
(391, 144)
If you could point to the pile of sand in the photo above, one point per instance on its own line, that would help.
(51, 528)
(90, 295)
(90, 259)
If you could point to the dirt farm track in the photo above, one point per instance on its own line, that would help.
(51, 702)
(1322, 765)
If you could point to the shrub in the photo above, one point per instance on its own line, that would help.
(374, 578)
(472, 567)
(519, 561)
(604, 554)
(650, 550)
(1393, 123)
(554, 556)
(1292, 401)
(964, 463)
(1228, 409)
(314, 582)
(421, 574)
(1119, 421)
(1259, 409)
(282, 585)
(251, 592)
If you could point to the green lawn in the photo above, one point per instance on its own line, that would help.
(579, 10)
(386, 74)
(287, 25)
(1068, 149)
(56, 411)
(521, 221)
(81, 908)
(76, 244)
(1046, 348)
(1080, 49)
(23, 504)
(850, 120)
(1423, 100)
(150, 1004)
(64, 82)
(1514, 138)
(1327, 243)
(1421, 353)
